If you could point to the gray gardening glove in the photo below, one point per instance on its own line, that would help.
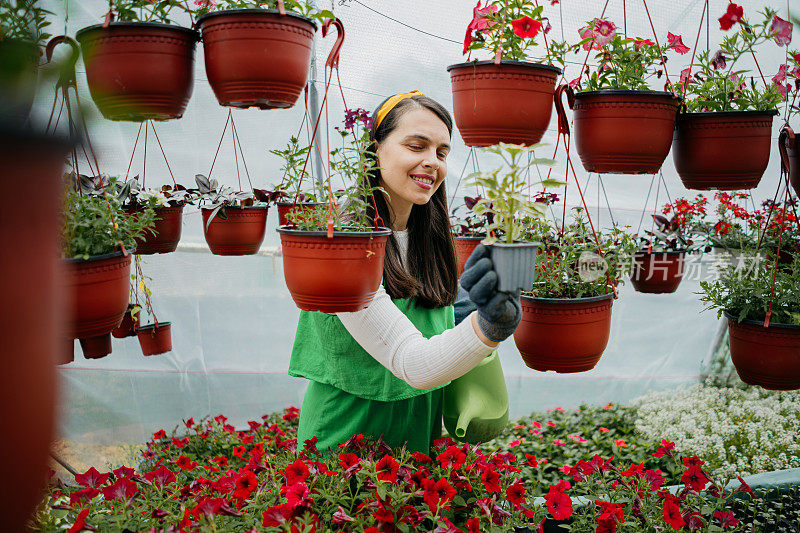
(499, 313)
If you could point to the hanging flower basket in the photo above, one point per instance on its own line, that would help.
(725, 150)
(285, 207)
(96, 347)
(510, 102)
(98, 289)
(257, 57)
(464, 248)
(565, 335)
(310, 257)
(657, 272)
(624, 132)
(241, 233)
(155, 339)
(127, 328)
(767, 357)
(167, 232)
(139, 70)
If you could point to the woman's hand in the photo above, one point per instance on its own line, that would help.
(499, 313)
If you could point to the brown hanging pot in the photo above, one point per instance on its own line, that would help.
(285, 207)
(310, 258)
(98, 289)
(166, 234)
(240, 233)
(257, 57)
(139, 70)
(725, 150)
(767, 357)
(789, 148)
(464, 248)
(623, 132)
(155, 339)
(508, 102)
(127, 328)
(96, 347)
(566, 335)
(657, 272)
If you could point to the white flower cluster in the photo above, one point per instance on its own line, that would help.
(737, 432)
(144, 196)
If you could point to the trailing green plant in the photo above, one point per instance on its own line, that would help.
(210, 195)
(506, 188)
(712, 83)
(570, 265)
(465, 222)
(295, 176)
(96, 223)
(303, 7)
(667, 235)
(24, 20)
(147, 10)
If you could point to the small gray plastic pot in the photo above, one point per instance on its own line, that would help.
(514, 264)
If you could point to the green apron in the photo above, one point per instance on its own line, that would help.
(352, 393)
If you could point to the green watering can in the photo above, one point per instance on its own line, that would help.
(476, 404)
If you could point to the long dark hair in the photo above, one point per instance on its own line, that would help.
(431, 274)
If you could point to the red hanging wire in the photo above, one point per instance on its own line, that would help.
(235, 155)
(135, 143)
(660, 51)
(222, 137)
(144, 160)
(171, 175)
(694, 51)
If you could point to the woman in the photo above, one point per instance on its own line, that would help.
(380, 371)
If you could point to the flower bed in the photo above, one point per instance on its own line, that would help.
(737, 431)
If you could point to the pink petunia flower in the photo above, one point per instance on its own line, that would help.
(780, 77)
(639, 43)
(676, 43)
(781, 31)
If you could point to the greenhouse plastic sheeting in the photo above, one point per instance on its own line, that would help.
(233, 320)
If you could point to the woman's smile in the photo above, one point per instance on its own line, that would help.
(424, 181)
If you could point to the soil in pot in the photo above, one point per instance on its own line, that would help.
(767, 357)
(285, 207)
(98, 289)
(139, 70)
(309, 258)
(727, 150)
(257, 57)
(464, 248)
(657, 272)
(565, 335)
(166, 233)
(624, 132)
(127, 328)
(155, 339)
(515, 264)
(96, 347)
(510, 102)
(241, 233)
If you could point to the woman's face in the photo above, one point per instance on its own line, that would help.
(413, 159)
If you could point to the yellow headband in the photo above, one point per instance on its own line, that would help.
(389, 104)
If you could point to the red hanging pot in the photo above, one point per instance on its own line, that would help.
(657, 272)
(285, 207)
(792, 145)
(96, 347)
(726, 150)
(257, 57)
(241, 233)
(565, 335)
(767, 357)
(624, 132)
(127, 328)
(310, 257)
(464, 248)
(155, 339)
(166, 233)
(139, 70)
(510, 102)
(99, 289)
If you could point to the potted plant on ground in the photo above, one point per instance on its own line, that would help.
(566, 314)
(724, 139)
(509, 99)
(468, 229)
(506, 188)
(258, 57)
(167, 202)
(622, 125)
(141, 66)
(234, 222)
(763, 313)
(98, 235)
(289, 194)
(338, 237)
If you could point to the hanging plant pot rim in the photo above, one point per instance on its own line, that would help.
(770, 112)
(644, 252)
(153, 326)
(469, 237)
(587, 300)
(264, 207)
(514, 62)
(777, 325)
(252, 11)
(301, 203)
(96, 257)
(517, 244)
(625, 92)
(124, 25)
(380, 232)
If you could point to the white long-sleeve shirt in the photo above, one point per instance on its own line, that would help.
(390, 337)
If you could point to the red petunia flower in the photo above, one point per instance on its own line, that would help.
(726, 518)
(80, 522)
(526, 27)
(421, 457)
(298, 495)
(439, 494)
(672, 513)
(639, 43)
(732, 16)
(479, 23)
(245, 485)
(275, 516)
(82, 496)
(515, 493)
(387, 469)
(184, 463)
(340, 517)
(491, 480)
(558, 504)
(530, 460)
(676, 43)
(123, 489)
(160, 434)
(695, 478)
(383, 515)
(666, 448)
(452, 457)
(744, 487)
(473, 525)
(91, 478)
(633, 469)
(296, 472)
(161, 476)
(123, 471)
